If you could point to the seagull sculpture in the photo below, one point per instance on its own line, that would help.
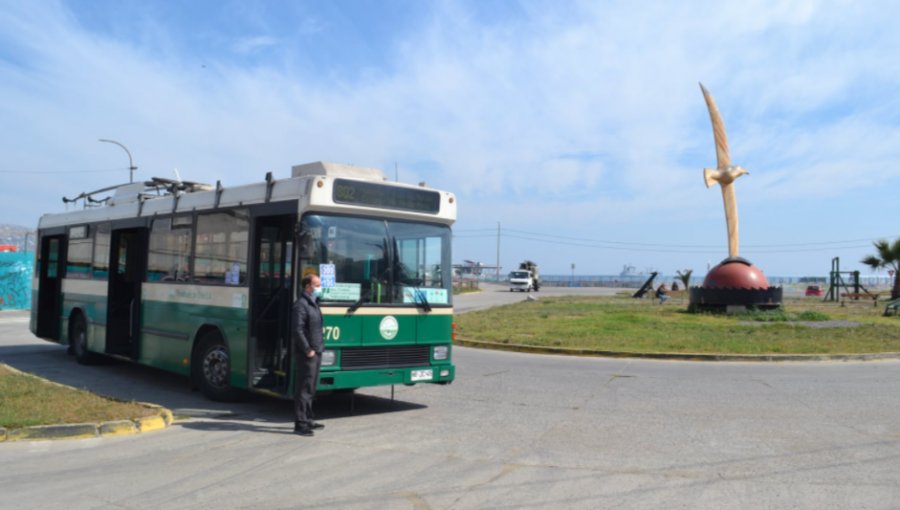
(725, 173)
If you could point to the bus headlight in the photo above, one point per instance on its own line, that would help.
(441, 352)
(328, 358)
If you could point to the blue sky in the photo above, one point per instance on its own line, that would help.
(578, 126)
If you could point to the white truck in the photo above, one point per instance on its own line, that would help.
(522, 280)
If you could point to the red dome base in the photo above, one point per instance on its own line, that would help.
(735, 273)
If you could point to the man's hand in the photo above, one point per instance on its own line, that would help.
(311, 354)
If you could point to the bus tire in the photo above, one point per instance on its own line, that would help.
(78, 341)
(212, 368)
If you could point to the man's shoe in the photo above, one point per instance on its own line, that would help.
(303, 431)
(317, 425)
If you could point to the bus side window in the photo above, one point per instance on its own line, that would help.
(170, 249)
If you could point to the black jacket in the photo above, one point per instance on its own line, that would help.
(307, 325)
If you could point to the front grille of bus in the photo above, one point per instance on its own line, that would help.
(385, 357)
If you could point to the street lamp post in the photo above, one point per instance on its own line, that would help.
(131, 167)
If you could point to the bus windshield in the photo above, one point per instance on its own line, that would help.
(366, 261)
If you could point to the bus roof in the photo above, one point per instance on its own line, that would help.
(311, 186)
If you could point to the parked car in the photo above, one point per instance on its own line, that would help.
(814, 290)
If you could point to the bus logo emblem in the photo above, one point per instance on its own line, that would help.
(388, 327)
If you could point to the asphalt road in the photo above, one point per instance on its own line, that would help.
(513, 431)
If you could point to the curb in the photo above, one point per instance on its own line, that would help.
(533, 349)
(161, 420)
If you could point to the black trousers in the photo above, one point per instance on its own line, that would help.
(305, 387)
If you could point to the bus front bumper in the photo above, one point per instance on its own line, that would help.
(336, 380)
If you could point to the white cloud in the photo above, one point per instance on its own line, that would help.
(247, 45)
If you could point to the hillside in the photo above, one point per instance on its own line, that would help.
(16, 235)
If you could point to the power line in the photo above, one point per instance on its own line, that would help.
(601, 241)
(73, 172)
(679, 250)
(475, 230)
(668, 247)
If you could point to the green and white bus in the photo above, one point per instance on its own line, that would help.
(199, 280)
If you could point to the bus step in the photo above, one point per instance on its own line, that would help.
(264, 379)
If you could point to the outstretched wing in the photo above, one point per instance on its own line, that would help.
(723, 160)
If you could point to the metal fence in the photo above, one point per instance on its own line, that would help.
(15, 280)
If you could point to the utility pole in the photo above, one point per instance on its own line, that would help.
(498, 252)
(131, 167)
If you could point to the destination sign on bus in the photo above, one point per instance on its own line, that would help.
(389, 197)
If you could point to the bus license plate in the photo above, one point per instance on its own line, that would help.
(421, 375)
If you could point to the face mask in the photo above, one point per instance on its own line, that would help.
(317, 293)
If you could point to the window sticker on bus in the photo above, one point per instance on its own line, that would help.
(432, 295)
(332, 232)
(327, 275)
(341, 292)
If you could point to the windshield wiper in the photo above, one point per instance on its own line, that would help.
(359, 302)
(426, 307)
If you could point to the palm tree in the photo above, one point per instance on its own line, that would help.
(685, 277)
(889, 257)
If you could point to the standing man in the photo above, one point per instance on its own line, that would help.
(308, 347)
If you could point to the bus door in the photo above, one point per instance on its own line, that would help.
(50, 286)
(271, 290)
(127, 265)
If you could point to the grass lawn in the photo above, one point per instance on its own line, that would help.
(620, 323)
(26, 400)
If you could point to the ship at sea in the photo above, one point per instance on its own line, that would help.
(629, 272)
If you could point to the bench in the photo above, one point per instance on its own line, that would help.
(856, 296)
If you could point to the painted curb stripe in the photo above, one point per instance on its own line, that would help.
(118, 428)
(71, 431)
(535, 349)
(150, 423)
(161, 420)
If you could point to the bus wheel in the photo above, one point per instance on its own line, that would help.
(212, 368)
(78, 339)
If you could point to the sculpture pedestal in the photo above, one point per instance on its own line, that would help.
(733, 284)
